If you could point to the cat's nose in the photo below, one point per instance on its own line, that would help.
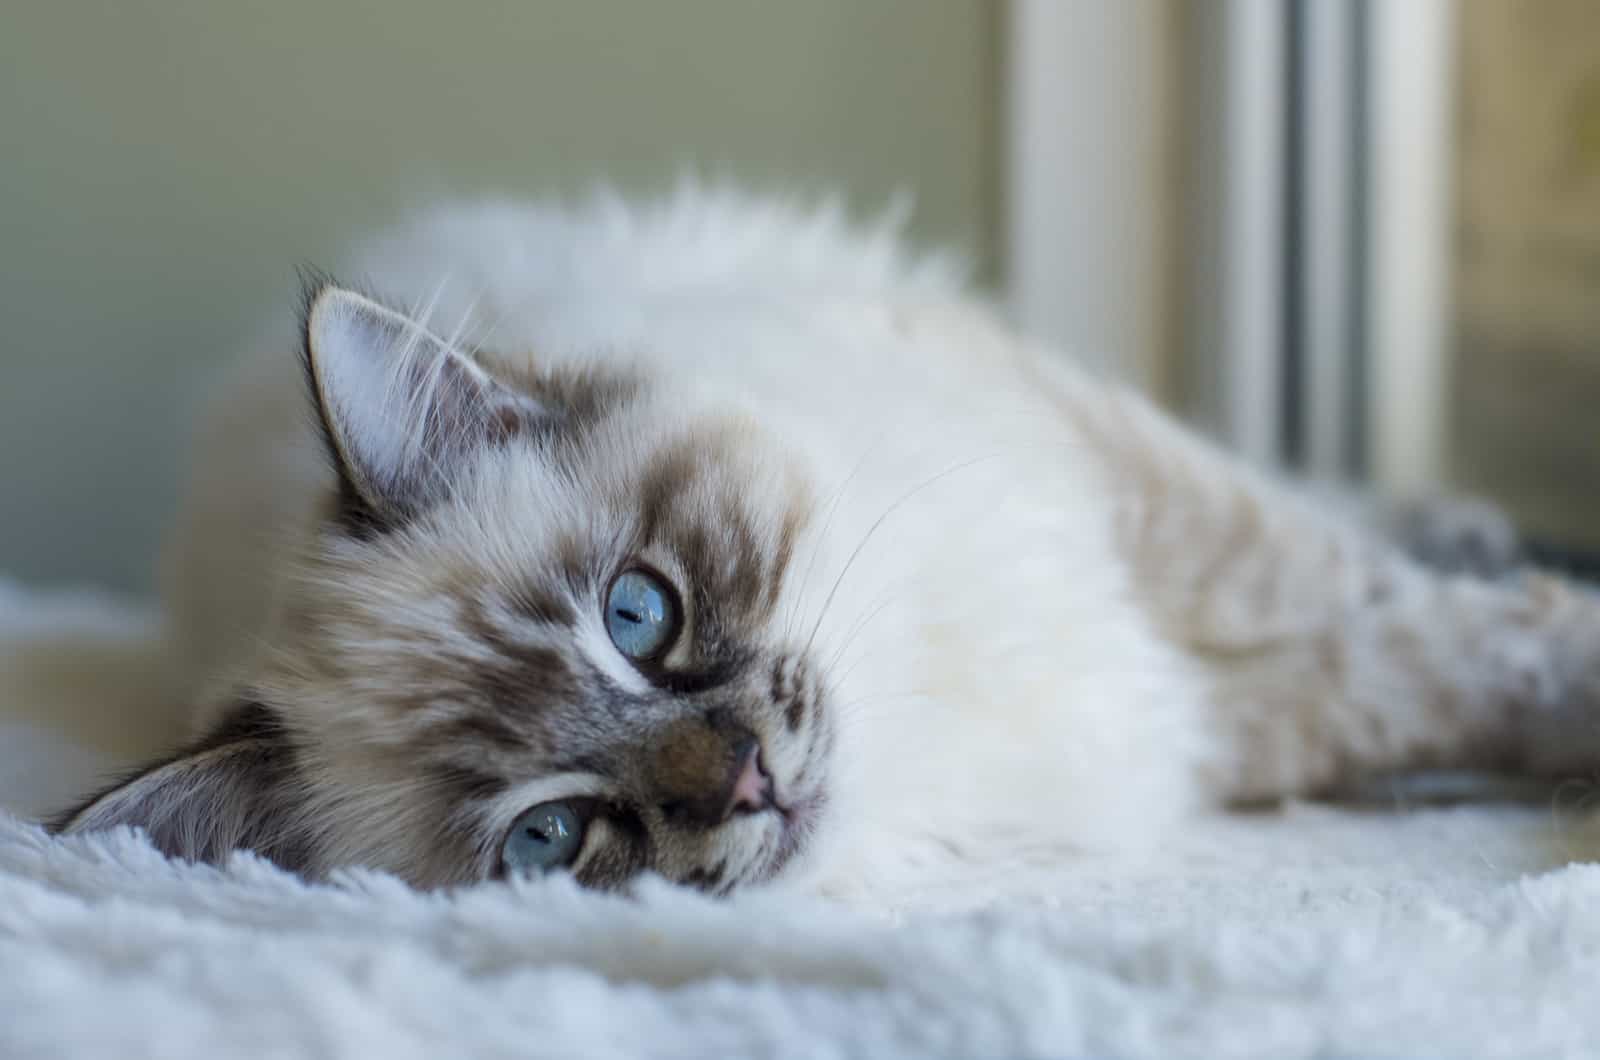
(703, 776)
(752, 788)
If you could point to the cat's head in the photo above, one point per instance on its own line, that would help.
(544, 619)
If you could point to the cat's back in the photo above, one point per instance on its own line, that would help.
(511, 265)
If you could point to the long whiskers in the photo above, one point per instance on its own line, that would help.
(902, 703)
(834, 679)
(822, 535)
(868, 613)
(873, 529)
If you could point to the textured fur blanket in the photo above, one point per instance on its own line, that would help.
(1310, 932)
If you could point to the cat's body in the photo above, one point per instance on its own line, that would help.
(942, 592)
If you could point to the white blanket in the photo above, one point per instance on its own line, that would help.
(1311, 932)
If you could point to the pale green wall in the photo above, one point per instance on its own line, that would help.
(164, 165)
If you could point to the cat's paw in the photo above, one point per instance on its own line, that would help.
(1558, 729)
(1457, 535)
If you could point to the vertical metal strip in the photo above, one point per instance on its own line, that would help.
(1328, 229)
(1300, 235)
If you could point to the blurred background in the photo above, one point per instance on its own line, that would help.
(1352, 237)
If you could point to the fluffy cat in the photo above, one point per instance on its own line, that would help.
(716, 540)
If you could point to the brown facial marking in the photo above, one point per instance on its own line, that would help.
(526, 675)
(572, 559)
(794, 714)
(778, 682)
(539, 604)
(692, 767)
(466, 785)
(707, 879)
(666, 479)
(480, 727)
(732, 568)
(745, 587)
(793, 516)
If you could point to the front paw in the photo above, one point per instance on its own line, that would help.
(1558, 725)
(1457, 535)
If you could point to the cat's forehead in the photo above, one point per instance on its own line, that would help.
(728, 515)
(705, 496)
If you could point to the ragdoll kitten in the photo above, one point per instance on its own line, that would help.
(713, 540)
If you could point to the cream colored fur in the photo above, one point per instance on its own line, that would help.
(1045, 612)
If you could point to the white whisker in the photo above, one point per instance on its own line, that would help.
(873, 529)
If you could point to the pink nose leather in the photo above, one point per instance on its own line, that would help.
(752, 791)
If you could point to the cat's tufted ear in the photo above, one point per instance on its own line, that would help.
(237, 788)
(400, 408)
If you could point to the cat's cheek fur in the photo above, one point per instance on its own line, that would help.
(1087, 743)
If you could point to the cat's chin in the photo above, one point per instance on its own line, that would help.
(797, 824)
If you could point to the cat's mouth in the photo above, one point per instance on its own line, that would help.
(798, 820)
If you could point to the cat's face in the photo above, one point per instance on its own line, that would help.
(547, 623)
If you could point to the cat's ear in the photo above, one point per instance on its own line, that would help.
(235, 789)
(400, 409)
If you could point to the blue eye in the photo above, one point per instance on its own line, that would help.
(641, 615)
(544, 838)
